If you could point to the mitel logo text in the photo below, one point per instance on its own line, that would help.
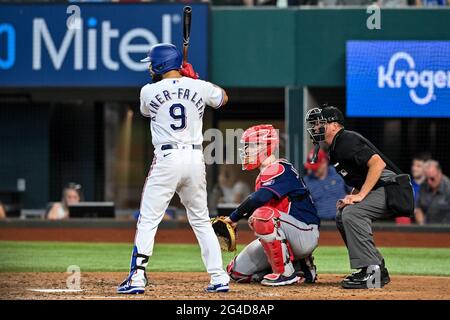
(7, 56)
(431, 80)
(96, 40)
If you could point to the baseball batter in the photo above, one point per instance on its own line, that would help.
(175, 103)
(283, 217)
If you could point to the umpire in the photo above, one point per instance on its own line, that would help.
(373, 178)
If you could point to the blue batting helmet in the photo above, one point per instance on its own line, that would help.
(163, 58)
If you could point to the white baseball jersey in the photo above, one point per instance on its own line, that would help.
(176, 106)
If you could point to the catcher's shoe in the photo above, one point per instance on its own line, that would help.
(220, 287)
(276, 279)
(130, 286)
(306, 270)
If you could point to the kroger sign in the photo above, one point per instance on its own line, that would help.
(398, 78)
(91, 44)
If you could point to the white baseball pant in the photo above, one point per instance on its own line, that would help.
(180, 170)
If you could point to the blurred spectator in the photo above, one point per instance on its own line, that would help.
(432, 3)
(325, 185)
(228, 190)
(418, 172)
(365, 3)
(355, 2)
(392, 3)
(298, 2)
(2, 212)
(433, 203)
(71, 194)
(418, 177)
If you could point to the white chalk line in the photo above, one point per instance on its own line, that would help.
(56, 290)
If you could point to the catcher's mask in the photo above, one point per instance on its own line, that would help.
(260, 142)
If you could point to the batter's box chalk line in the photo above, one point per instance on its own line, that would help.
(56, 290)
(262, 294)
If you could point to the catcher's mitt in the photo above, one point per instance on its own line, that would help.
(225, 233)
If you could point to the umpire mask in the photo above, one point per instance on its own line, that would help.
(315, 124)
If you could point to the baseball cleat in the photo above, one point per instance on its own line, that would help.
(127, 289)
(217, 288)
(306, 270)
(275, 279)
(126, 286)
(365, 280)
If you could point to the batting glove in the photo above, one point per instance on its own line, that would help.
(188, 71)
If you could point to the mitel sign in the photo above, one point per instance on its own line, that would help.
(91, 44)
(398, 78)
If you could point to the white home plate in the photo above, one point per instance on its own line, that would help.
(56, 290)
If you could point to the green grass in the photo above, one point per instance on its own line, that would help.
(57, 256)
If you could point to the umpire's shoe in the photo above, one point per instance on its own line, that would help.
(376, 276)
(128, 286)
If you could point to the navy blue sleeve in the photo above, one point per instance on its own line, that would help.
(286, 183)
(253, 201)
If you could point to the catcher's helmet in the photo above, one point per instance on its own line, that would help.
(260, 142)
(163, 58)
(316, 119)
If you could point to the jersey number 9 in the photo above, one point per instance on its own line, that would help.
(178, 112)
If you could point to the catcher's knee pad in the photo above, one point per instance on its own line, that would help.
(237, 276)
(265, 222)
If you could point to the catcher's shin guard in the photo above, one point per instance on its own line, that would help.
(265, 222)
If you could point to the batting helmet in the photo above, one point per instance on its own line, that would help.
(163, 58)
(260, 142)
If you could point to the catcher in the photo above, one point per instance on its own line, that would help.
(283, 217)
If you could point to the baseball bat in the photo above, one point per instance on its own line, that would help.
(187, 14)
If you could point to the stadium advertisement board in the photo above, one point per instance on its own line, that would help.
(398, 79)
(56, 45)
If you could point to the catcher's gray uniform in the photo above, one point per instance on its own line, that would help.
(303, 238)
(285, 222)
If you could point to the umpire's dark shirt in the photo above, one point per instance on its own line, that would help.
(349, 154)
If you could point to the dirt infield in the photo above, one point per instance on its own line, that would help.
(173, 286)
(327, 238)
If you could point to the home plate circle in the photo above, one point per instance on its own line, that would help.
(56, 290)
